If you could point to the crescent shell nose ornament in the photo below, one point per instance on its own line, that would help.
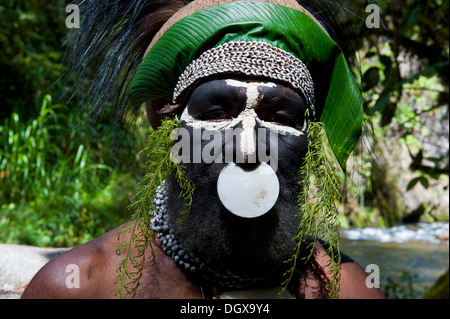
(248, 194)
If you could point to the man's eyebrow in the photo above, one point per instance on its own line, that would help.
(213, 107)
(267, 96)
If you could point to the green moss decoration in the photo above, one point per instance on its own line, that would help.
(318, 211)
(160, 164)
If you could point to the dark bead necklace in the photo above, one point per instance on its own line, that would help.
(188, 261)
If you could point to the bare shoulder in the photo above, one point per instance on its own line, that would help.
(86, 271)
(353, 277)
(96, 262)
(353, 283)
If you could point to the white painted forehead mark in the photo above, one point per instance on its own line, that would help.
(252, 100)
(248, 83)
(248, 115)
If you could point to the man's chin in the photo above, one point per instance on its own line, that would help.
(221, 238)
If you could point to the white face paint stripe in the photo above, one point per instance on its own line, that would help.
(248, 116)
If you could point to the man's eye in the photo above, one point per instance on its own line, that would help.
(215, 116)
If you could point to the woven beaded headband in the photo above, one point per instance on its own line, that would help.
(255, 59)
(336, 97)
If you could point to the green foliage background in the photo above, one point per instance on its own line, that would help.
(59, 184)
(404, 74)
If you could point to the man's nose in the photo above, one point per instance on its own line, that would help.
(248, 139)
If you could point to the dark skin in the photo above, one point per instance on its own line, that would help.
(98, 261)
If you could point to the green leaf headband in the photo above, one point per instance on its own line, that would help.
(288, 29)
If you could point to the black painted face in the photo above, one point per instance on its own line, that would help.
(256, 108)
(219, 105)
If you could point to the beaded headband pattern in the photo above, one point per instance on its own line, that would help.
(256, 59)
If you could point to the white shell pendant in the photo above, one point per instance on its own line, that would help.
(248, 194)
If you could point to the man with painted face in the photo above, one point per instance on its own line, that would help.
(255, 74)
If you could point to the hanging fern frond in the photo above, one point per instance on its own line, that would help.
(318, 211)
(160, 165)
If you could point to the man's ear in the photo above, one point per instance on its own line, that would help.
(152, 108)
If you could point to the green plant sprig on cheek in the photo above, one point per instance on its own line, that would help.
(160, 165)
(317, 209)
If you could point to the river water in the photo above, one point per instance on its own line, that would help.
(409, 257)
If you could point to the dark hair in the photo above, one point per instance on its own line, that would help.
(103, 54)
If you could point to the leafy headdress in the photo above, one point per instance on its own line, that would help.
(337, 93)
(335, 115)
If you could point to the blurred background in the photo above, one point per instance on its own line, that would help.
(62, 184)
